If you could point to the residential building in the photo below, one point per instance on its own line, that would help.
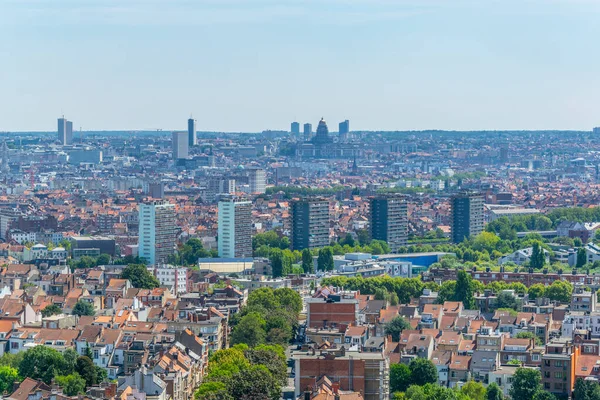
(157, 231)
(256, 180)
(389, 220)
(235, 228)
(466, 215)
(310, 223)
(175, 278)
(558, 365)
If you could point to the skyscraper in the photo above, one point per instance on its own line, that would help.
(467, 215)
(62, 130)
(388, 216)
(295, 128)
(322, 135)
(69, 132)
(256, 180)
(5, 168)
(235, 228)
(65, 131)
(157, 231)
(191, 132)
(344, 130)
(310, 223)
(180, 145)
(307, 132)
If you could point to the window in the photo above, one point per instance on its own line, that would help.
(558, 374)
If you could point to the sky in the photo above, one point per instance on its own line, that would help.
(250, 65)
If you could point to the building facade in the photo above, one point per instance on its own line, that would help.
(388, 216)
(235, 228)
(191, 132)
(157, 231)
(256, 180)
(180, 145)
(467, 216)
(310, 223)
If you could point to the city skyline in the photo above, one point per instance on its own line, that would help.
(384, 65)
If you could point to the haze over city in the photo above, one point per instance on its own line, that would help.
(246, 66)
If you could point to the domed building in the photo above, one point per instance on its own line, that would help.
(324, 146)
(322, 135)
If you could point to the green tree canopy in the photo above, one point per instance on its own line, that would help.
(50, 310)
(400, 377)
(395, 327)
(83, 308)
(41, 362)
(559, 291)
(72, 384)
(86, 369)
(8, 376)
(526, 383)
(250, 330)
(325, 259)
(140, 277)
(423, 371)
(308, 264)
(494, 392)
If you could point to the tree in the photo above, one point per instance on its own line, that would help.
(72, 384)
(586, 390)
(250, 330)
(308, 264)
(86, 369)
(543, 395)
(8, 376)
(363, 236)
(272, 357)
(212, 391)
(400, 377)
(70, 356)
(263, 297)
(325, 259)
(83, 308)
(289, 300)
(446, 291)
(12, 360)
(42, 363)
(559, 291)
(140, 277)
(254, 383)
(474, 390)
(581, 258)
(50, 310)
(526, 383)
(507, 300)
(537, 259)
(276, 259)
(423, 371)
(464, 289)
(348, 240)
(536, 291)
(395, 327)
(494, 392)
(103, 259)
(381, 294)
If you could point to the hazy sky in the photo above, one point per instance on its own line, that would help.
(249, 65)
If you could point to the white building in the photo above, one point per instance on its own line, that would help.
(256, 180)
(235, 228)
(175, 278)
(522, 256)
(180, 145)
(156, 231)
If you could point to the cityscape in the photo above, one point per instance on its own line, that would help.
(299, 200)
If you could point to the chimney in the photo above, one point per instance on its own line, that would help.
(307, 395)
(335, 386)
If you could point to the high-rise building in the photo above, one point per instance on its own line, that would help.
(389, 220)
(467, 215)
(156, 190)
(596, 130)
(157, 231)
(295, 128)
(235, 228)
(344, 130)
(180, 145)
(5, 168)
(310, 223)
(307, 132)
(65, 131)
(69, 132)
(322, 135)
(256, 180)
(191, 132)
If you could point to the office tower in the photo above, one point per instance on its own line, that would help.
(310, 223)
(191, 132)
(388, 216)
(69, 133)
(467, 215)
(344, 130)
(157, 231)
(235, 228)
(62, 131)
(596, 130)
(307, 132)
(180, 145)
(295, 129)
(256, 180)
(322, 135)
(504, 152)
